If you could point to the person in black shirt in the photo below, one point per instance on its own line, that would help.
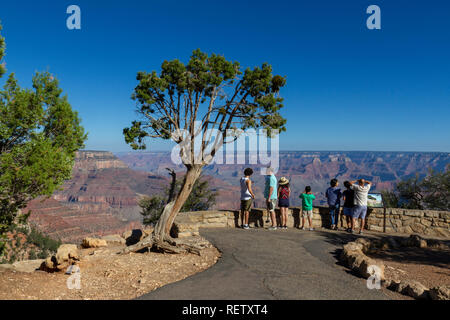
(348, 196)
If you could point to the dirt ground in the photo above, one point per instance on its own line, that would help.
(429, 266)
(106, 275)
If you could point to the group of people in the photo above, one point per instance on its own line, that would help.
(354, 197)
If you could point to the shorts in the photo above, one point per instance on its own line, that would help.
(348, 211)
(271, 204)
(283, 203)
(307, 213)
(246, 205)
(359, 212)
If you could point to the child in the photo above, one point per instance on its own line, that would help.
(307, 207)
(348, 196)
(283, 200)
(333, 195)
(247, 197)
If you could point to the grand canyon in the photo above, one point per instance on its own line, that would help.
(102, 196)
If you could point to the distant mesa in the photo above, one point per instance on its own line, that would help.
(100, 199)
(92, 160)
(102, 196)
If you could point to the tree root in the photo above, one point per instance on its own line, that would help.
(169, 245)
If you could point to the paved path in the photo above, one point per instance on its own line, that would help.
(281, 264)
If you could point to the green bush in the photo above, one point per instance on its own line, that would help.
(42, 241)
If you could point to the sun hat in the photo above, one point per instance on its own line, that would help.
(283, 181)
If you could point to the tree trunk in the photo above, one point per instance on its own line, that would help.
(160, 238)
(164, 224)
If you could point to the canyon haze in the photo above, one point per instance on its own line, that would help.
(302, 168)
(102, 196)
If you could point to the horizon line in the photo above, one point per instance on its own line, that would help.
(285, 150)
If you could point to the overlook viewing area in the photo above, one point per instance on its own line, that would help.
(294, 264)
(394, 220)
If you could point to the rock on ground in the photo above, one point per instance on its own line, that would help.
(106, 275)
(440, 293)
(353, 256)
(114, 239)
(66, 255)
(411, 288)
(93, 243)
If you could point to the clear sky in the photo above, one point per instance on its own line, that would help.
(348, 88)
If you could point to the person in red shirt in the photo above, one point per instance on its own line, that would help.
(284, 192)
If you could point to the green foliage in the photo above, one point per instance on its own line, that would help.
(201, 198)
(390, 199)
(39, 134)
(436, 190)
(37, 245)
(209, 89)
(151, 209)
(213, 92)
(432, 192)
(46, 244)
(410, 193)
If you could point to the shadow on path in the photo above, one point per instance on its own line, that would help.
(262, 264)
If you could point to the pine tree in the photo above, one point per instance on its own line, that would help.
(39, 135)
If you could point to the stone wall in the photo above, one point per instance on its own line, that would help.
(426, 222)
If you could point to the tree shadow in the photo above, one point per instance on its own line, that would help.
(429, 256)
(439, 257)
(134, 238)
(255, 217)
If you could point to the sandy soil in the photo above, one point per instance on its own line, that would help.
(107, 275)
(429, 266)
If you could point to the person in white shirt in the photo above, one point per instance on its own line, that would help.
(361, 189)
(247, 197)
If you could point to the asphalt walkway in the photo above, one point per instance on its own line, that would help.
(279, 264)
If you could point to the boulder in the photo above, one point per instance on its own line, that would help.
(355, 260)
(393, 285)
(365, 244)
(422, 243)
(66, 255)
(93, 243)
(353, 246)
(414, 241)
(114, 239)
(392, 242)
(437, 244)
(67, 252)
(413, 289)
(440, 293)
(352, 255)
(368, 266)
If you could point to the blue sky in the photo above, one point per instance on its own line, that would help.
(348, 88)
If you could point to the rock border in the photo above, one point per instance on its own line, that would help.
(354, 257)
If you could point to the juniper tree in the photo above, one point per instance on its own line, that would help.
(431, 192)
(209, 90)
(39, 134)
